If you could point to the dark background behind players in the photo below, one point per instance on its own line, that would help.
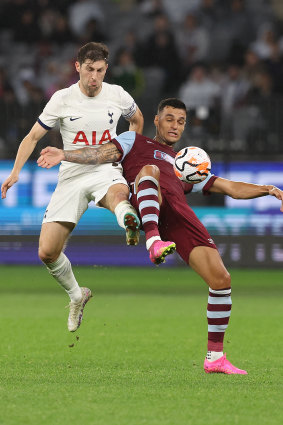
(224, 59)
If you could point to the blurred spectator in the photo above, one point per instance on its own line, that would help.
(24, 85)
(147, 11)
(266, 41)
(32, 109)
(126, 73)
(209, 13)
(261, 90)
(262, 124)
(27, 29)
(277, 7)
(132, 44)
(201, 96)
(234, 89)
(126, 5)
(17, 111)
(200, 90)
(55, 75)
(4, 83)
(274, 65)
(12, 12)
(151, 8)
(81, 12)
(261, 11)
(158, 43)
(47, 19)
(177, 10)
(160, 50)
(61, 32)
(92, 32)
(193, 41)
(241, 29)
(49, 77)
(233, 94)
(9, 115)
(252, 65)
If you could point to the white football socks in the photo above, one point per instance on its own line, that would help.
(62, 272)
(121, 209)
(214, 355)
(150, 241)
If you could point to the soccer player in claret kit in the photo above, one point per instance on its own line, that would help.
(167, 220)
(88, 112)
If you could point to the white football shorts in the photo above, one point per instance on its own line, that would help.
(72, 195)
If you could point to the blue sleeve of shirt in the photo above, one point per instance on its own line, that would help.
(197, 187)
(124, 142)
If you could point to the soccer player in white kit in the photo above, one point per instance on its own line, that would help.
(88, 113)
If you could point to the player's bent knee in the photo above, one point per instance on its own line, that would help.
(150, 170)
(222, 282)
(47, 256)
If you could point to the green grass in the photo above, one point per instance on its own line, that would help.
(140, 352)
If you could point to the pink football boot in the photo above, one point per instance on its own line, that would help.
(159, 250)
(222, 365)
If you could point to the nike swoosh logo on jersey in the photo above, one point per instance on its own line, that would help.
(76, 118)
(148, 141)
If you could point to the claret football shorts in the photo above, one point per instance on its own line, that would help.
(178, 223)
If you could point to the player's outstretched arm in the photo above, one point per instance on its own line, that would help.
(51, 156)
(25, 149)
(242, 190)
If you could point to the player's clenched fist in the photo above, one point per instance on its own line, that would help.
(49, 157)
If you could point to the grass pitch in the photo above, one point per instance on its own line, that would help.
(138, 355)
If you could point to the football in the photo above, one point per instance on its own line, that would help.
(192, 164)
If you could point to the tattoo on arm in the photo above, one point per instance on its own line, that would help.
(101, 155)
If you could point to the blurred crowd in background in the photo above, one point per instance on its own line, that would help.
(223, 58)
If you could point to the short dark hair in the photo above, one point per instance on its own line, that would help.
(94, 52)
(171, 101)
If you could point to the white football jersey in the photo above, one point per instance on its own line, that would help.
(86, 121)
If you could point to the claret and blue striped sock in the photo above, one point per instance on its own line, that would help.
(218, 315)
(147, 197)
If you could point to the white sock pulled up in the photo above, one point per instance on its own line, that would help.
(121, 209)
(214, 355)
(62, 272)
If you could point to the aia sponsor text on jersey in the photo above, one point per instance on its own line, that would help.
(82, 138)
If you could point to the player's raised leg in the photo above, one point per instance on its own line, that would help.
(117, 201)
(149, 200)
(219, 307)
(52, 240)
